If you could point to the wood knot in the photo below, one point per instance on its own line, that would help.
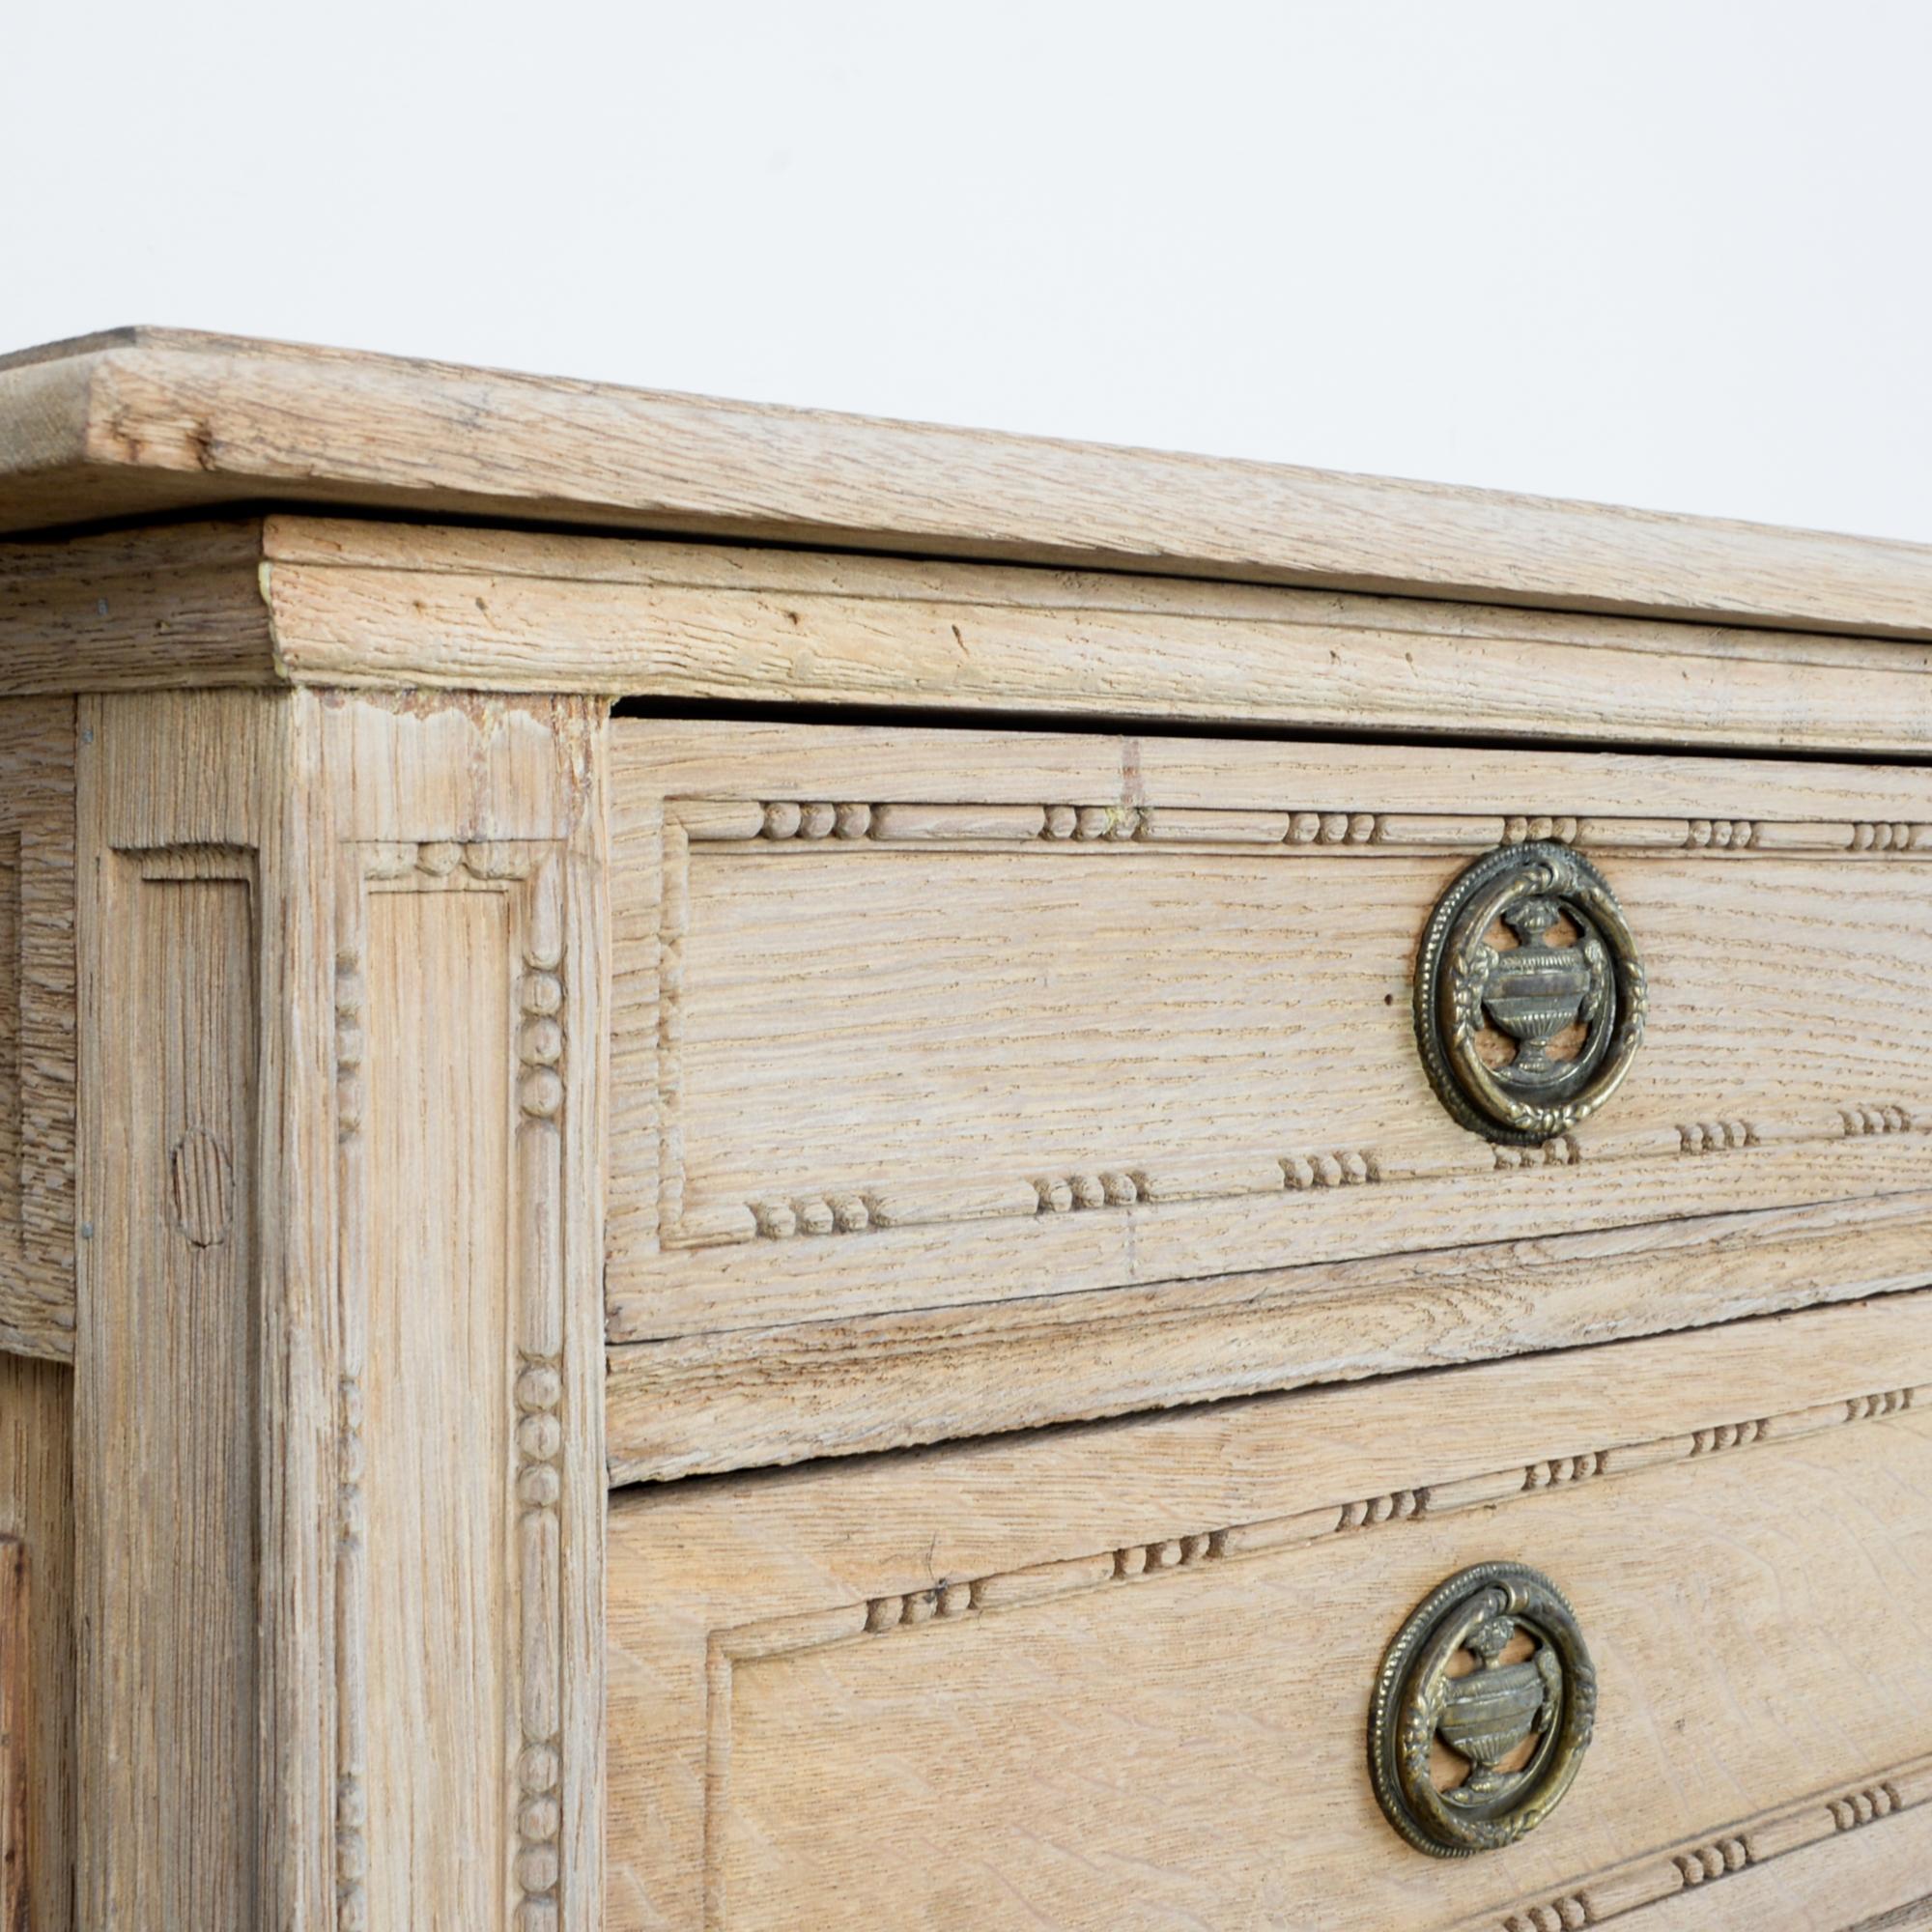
(202, 1187)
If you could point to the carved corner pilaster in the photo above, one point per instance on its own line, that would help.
(460, 977)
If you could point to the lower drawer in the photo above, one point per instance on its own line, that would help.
(1122, 1675)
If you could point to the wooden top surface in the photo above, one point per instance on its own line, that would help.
(144, 422)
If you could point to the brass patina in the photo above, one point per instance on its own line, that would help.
(1443, 1677)
(1467, 984)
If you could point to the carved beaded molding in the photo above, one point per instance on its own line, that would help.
(1658, 1876)
(533, 870)
(1623, 1889)
(786, 821)
(954, 1597)
(861, 1205)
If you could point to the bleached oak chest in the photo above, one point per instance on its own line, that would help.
(769, 1174)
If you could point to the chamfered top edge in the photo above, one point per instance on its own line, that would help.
(137, 422)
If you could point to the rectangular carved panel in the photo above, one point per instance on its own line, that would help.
(879, 1040)
(454, 1023)
(910, 1054)
(433, 1398)
(174, 1361)
(1119, 1675)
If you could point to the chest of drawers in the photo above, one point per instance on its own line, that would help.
(767, 1174)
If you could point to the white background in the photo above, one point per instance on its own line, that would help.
(1668, 252)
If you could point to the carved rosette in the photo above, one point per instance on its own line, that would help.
(1474, 989)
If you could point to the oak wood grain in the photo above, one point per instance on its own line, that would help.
(37, 1636)
(146, 420)
(1901, 1919)
(1120, 1670)
(178, 606)
(738, 1399)
(949, 1086)
(19, 1760)
(914, 1020)
(1720, 1885)
(434, 1409)
(290, 598)
(172, 1777)
(36, 1026)
(468, 967)
(339, 1427)
(209, 1266)
(370, 604)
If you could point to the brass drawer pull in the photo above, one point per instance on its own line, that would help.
(1471, 993)
(1486, 1713)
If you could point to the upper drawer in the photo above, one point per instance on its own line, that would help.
(911, 1020)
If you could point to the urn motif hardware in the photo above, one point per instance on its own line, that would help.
(1569, 1011)
(1520, 1726)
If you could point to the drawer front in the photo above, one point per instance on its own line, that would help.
(1121, 1675)
(917, 1021)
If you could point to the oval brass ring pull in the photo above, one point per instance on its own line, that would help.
(1522, 1040)
(1494, 1667)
